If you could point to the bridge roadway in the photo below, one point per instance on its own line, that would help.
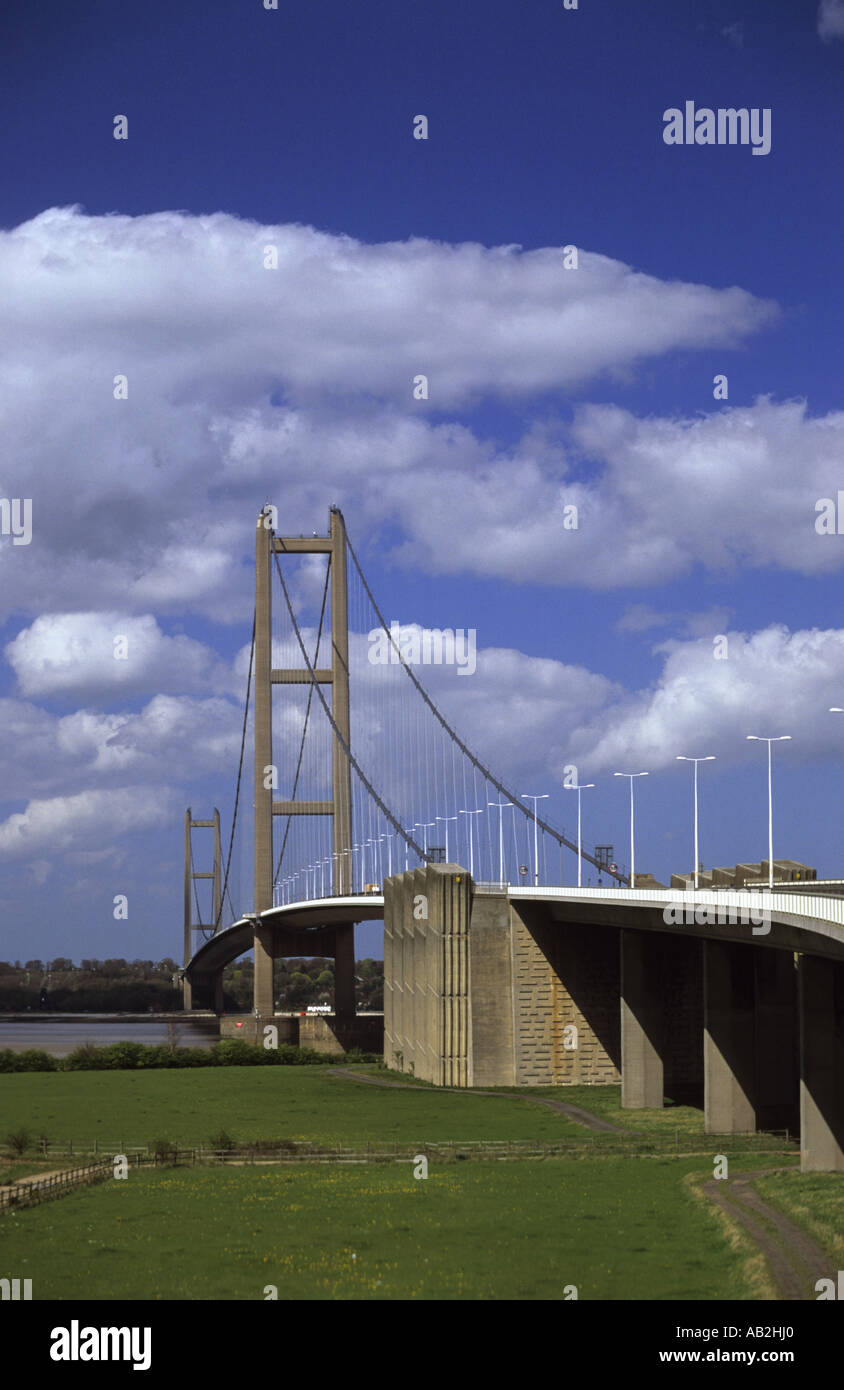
(490, 985)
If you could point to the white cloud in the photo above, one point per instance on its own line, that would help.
(150, 501)
(528, 717)
(772, 681)
(68, 822)
(831, 19)
(655, 497)
(76, 653)
(187, 737)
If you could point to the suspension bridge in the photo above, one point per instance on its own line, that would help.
(368, 804)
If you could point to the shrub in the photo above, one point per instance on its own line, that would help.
(221, 1140)
(18, 1141)
(233, 1052)
(86, 1058)
(164, 1151)
(30, 1060)
(131, 1056)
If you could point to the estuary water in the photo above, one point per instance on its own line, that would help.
(60, 1035)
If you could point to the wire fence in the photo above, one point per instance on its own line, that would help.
(27, 1192)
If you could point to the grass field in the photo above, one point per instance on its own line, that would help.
(301, 1103)
(616, 1228)
(124, 1108)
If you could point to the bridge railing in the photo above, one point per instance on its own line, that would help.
(750, 901)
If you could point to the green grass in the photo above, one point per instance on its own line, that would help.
(814, 1201)
(605, 1101)
(616, 1228)
(120, 1109)
(684, 1123)
(307, 1103)
(12, 1170)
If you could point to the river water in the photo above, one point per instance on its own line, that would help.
(59, 1036)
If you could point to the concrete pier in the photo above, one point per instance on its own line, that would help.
(642, 1021)
(821, 991)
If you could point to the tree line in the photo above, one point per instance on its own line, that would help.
(145, 986)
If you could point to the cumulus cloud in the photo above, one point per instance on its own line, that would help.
(62, 823)
(186, 736)
(247, 384)
(773, 680)
(831, 19)
(528, 717)
(107, 654)
(770, 682)
(655, 497)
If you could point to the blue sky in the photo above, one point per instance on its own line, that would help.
(697, 515)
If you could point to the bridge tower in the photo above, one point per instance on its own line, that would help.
(267, 547)
(190, 876)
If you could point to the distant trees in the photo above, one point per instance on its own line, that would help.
(141, 986)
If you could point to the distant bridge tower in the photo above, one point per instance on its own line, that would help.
(266, 942)
(190, 876)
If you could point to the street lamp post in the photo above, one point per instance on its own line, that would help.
(631, 776)
(780, 738)
(471, 842)
(501, 805)
(579, 789)
(446, 819)
(424, 825)
(543, 796)
(710, 758)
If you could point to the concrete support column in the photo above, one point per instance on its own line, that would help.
(642, 1021)
(492, 1053)
(729, 1060)
(344, 972)
(341, 770)
(427, 1016)
(777, 1068)
(188, 947)
(263, 995)
(218, 992)
(187, 994)
(821, 995)
(263, 795)
(217, 881)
